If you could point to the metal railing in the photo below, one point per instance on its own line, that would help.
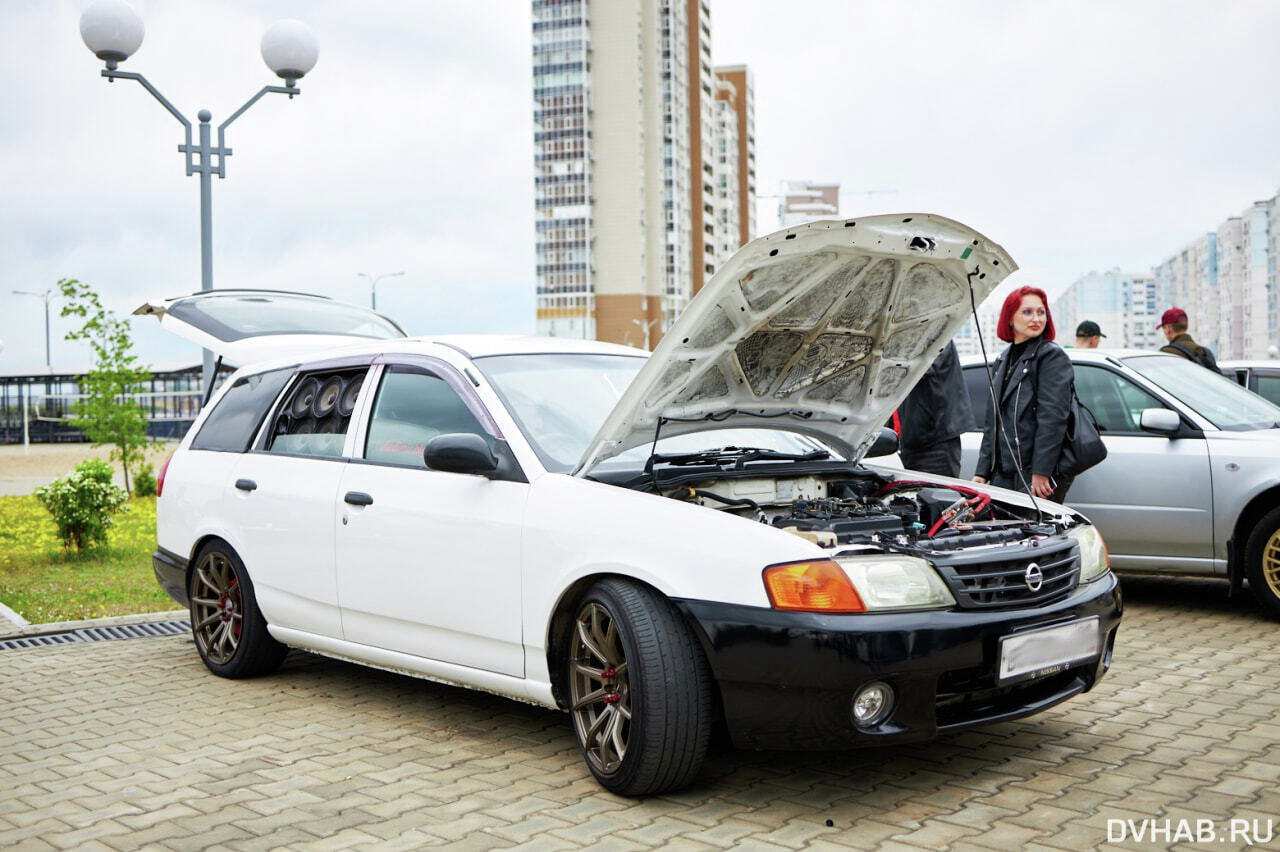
(41, 409)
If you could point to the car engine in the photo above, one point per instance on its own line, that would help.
(867, 509)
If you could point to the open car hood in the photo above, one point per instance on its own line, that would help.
(245, 326)
(821, 329)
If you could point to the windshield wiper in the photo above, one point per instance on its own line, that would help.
(737, 456)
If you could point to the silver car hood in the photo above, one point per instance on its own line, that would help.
(821, 329)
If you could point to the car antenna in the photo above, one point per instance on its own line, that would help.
(991, 391)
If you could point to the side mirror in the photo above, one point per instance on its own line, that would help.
(460, 452)
(886, 444)
(1162, 421)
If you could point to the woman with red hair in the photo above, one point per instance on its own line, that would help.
(1031, 387)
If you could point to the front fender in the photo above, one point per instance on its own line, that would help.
(576, 529)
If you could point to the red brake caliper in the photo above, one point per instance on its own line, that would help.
(612, 697)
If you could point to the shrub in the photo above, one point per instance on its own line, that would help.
(144, 480)
(82, 503)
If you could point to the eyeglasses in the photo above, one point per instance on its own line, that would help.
(1030, 313)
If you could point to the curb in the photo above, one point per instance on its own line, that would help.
(10, 631)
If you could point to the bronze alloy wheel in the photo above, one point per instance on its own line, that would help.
(1271, 563)
(217, 607)
(600, 689)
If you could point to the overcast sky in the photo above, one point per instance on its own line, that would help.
(1079, 135)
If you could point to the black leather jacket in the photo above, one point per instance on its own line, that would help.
(1035, 403)
(937, 409)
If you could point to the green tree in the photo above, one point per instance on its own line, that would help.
(106, 414)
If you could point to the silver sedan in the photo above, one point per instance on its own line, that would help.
(1191, 483)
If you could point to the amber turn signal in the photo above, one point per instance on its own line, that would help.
(818, 586)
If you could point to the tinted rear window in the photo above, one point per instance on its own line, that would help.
(232, 423)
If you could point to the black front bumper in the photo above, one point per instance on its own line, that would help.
(171, 574)
(788, 679)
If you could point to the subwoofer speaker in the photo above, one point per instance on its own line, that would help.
(347, 402)
(304, 396)
(327, 397)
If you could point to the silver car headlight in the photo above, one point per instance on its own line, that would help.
(1094, 561)
(896, 582)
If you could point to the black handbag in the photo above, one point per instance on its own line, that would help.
(1082, 447)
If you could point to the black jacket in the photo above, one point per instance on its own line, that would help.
(937, 408)
(1034, 406)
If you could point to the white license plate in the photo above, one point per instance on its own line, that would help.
(1049, 650)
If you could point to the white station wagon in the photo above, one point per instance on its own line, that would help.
(656, 545)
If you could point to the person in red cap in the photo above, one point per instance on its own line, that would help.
(1174, 325)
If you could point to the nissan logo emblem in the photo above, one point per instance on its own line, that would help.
(1034, 577)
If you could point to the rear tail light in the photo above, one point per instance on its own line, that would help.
(163, 470)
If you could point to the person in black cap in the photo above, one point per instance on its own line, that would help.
(1088, 335)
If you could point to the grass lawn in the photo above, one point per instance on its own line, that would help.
(42, 582)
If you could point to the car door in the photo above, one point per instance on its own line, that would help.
(1265, 382)
(1151, 498)
(428, 562)
(284, 493)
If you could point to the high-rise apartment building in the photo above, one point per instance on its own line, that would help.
(967, 340)
(736, 117)
(1189, 280)
(1231, 274)
(562, 178)
(1227, 282)
(1124, 305)
(1258, 285)
(806, 200)
(632, 216)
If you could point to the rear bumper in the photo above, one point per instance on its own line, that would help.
(171, 574)
(788, 679)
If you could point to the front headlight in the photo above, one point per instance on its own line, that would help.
(896, 582)
(1094, 561)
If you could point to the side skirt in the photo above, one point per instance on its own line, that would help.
(449, 674)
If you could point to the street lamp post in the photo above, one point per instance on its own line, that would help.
(646, 327)
(46, 297)
(113, 31)
(373, 285)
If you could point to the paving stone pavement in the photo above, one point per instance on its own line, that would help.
(132, 744)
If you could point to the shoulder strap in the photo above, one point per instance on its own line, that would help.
(1204, 357)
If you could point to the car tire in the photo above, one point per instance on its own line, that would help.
(1262, 562)
(230, 633)
(639, 688)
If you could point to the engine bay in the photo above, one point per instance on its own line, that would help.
(864, 509)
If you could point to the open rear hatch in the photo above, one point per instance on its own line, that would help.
(244, 326)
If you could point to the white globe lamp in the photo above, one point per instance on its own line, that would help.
(290, 49)
(112, 29)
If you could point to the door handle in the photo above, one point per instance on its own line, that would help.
(358, 498)
(246, 484)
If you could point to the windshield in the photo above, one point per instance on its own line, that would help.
(561, 401)
(1214, 397)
